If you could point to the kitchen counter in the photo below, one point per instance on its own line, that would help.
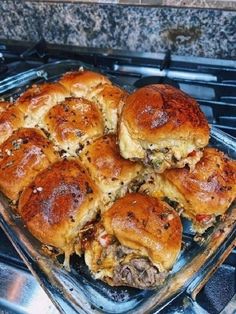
(216, 4)
(186, 31)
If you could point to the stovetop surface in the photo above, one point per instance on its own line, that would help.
(211, 82)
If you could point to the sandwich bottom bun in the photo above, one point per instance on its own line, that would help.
(135, 244)
(163, 127)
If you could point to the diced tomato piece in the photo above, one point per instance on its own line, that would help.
(203, 218)
(105, 240)
(192, 154)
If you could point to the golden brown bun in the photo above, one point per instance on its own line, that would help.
(156, 111)
(110, 100)
(11, 118)
(112, 172)
(25, 153)
(58, 203)
(74, 122)
(210, 188)
(4, 105)
(203, 193)
(38, 99)
(161, 125)
(135, 244)
(81, 83)
(148, 225)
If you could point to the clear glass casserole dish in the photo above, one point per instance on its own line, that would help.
(77, 291)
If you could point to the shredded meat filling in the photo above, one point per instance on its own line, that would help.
(138, 273)
(126, 266)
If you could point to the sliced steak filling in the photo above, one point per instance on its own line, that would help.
(139, 273)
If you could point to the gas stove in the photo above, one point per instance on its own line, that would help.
(211, 81)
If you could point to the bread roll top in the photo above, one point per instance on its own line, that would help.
(58, 203)
(146, 224)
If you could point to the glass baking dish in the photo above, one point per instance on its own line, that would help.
(76, 291)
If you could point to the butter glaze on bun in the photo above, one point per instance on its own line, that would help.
(58, 203)
(82, 83)
(136, 243)
(11, 118)
(73, 123)
(110, 100)
(113, 174)
(38, 99)
(203, 193)
(22, 156)
(163, 127)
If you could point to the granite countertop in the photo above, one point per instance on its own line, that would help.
(185, 31)
(213, 4)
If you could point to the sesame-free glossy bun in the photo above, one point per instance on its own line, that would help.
(110, 100)
(161, 125)
(73, 123)
(24, 154)
(148, 225)
(210, 188)
(11, 118)
(108, 168)
(82, 83)
(58, 203)
(4, 105)
(203, 193)
(38, 99)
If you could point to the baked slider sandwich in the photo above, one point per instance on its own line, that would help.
(74, 123)
(99, 89)
(38, 99)
(82, 83)
(203, 193)
(58, 203)
(110, 99)
(114, 174)
(22, 156)
(135, 244)
(11, 118)
(163, 127)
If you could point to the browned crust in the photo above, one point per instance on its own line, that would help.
(56, 202)
(25, 153)
(80, 82)
(157, 112)
(110, 100)
(111, 97)
(4, 105)
(74, 118)
(103, 160)
(210, 188)
(147, 224)
(40, 95)
(11, 118)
